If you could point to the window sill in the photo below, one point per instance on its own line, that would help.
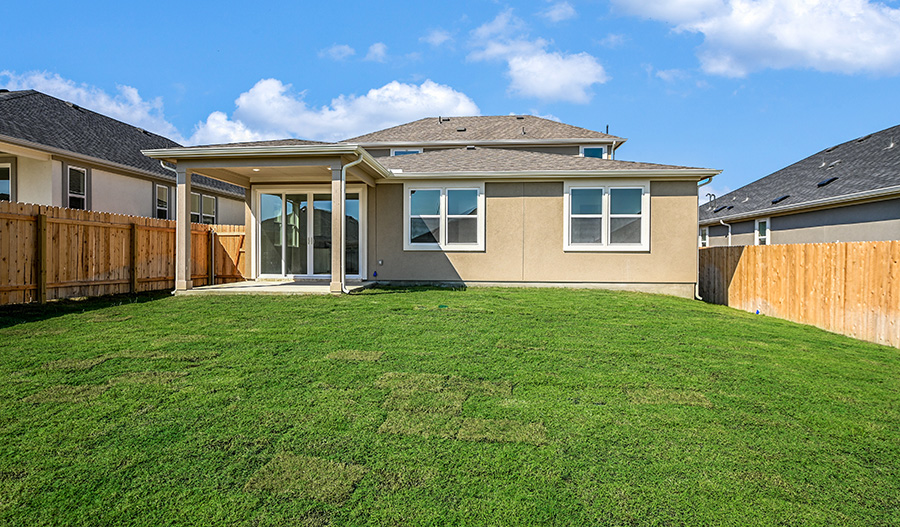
(607, 249)
(447, 249)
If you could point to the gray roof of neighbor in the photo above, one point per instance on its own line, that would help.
(507, 160)
(273, 142)
(863, 164)
(33, 116)
(481, 128)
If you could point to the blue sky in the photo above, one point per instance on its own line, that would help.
(746, 86)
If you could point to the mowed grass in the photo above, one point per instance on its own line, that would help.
(440, 407)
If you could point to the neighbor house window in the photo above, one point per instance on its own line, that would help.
(762, 232)
(6, 181)
(604, 217)
(704, 237)
(162, 202)
(77, 188)
(405, 151)
(203, 208)
(593, 151)
(444, 217)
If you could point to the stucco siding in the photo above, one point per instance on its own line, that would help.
(121, 194)
(231, 211)
(35, 182)
(524, 241)
(742, 233)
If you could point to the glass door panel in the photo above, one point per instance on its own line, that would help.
(321, 233)
(270, 220)
(351, 254)
(295, 255)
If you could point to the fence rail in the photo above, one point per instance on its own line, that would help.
(51, 252)
(848, 288)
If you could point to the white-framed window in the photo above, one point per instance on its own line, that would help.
(77, 188)
(761, 233)
(607, 216)
(704, 236)
(443, 216)
(405, 151)
(593, 151)
(6, 182)
(162, 202)
(203, 208)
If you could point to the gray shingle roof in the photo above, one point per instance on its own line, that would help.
(39, 118)
(274, 142)
(860, 165)
(480, 128)
(506, 160)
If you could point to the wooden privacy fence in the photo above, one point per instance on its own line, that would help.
(848, 288)
(51, 252)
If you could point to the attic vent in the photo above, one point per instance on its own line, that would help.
(861, 139)
(780, 199)
(460, 129)
(520, 117)
(145, 132)
(718, 209)
(445, 119)
(73, 105)
(730, 207)
(831, 149)
(833, 164)
(470, 147)
(4, 90)
(826, 181)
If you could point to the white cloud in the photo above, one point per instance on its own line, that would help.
(377, 52)
(337, 52)
(559, 11)
(437, 37)
(270, 110)
(612, 40)
(672, 75)
(127, 105)
(534, 71)
(742, 36)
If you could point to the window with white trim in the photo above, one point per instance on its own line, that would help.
(446, 217)
(704, 237)
(593, 151)
(405, 151)
(203, 208)
(162, 202)
(6, 181)
(77, 186)
(762, 231)
(607, 217)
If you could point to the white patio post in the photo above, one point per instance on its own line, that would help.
(337, 236)
(183, 231)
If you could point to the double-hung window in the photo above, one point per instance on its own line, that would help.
(203, 208)
(6, 181)
(607, 217)
(77, 187)
(162, 202)
(443, 217)
(762, 232)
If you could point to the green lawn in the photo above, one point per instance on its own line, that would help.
(433, 407)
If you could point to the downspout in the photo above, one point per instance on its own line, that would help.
(344, 221)
(697, 296)
(729, 231)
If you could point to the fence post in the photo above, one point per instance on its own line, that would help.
(134, 257)
(42, 257)
(212, 257)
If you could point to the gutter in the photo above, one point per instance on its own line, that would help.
(729, 231)
(484, 142)
(344, 221)
(821, 203)
(399, 174)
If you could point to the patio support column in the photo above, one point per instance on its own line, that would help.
(183, 230)
(337, 235)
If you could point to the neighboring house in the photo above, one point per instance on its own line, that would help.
(845, 193)
(57, 153)
(515, 200)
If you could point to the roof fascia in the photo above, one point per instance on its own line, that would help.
(686, 174)
(808, 205)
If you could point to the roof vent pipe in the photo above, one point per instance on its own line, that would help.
(607, 129)
(523, 130)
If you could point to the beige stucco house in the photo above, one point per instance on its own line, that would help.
(56, 153)
(516, 200)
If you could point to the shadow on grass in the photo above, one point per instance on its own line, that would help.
(384, 289)
(21, 313)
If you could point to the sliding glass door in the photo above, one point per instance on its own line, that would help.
(295, 238)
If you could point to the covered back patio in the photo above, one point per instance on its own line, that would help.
(305, 206)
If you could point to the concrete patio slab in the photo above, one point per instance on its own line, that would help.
(270, 287)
